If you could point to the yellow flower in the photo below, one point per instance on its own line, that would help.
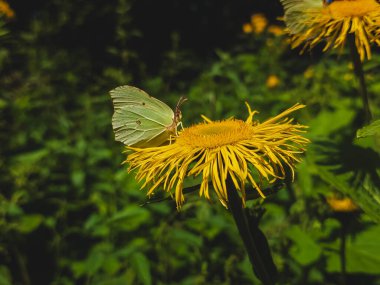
(6, 10)
(247, 28)
(219, 151)
(272, 81)
(276, 30)
(341, 204)
(259, 23)
(311, 21)
(309, 73)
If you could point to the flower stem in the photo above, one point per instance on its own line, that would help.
(254, 240)
(344, 220)
(342, 253)
(358, 70)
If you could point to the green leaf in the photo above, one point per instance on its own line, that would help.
(141, 264)
(3, 32)
(29, 223)
(31, 157)
(372, 129)
(185, 237)
(130, 218)
(3, 104)
(304, 178)
(134, 245)
(115, 281)
(321, 125)
(5, 276)
(94, 262)
(352, 170)
(111, 265)
(304, 250)
(246, 267)
(362, 253)
(78, 178)
(95, 224)
(367, 195)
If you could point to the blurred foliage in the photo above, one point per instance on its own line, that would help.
(70, 213)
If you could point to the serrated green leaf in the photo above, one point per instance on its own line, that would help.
(367, 196)
(352, 170)
(370, 130)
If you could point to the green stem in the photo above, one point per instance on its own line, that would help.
(358, 70)
(255, 256)
(23, 271)
(342, 252)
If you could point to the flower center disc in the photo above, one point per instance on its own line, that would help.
(352, 8)
(215, 134)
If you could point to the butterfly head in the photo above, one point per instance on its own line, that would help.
(177, 113)
(327, 2)
(177, 117)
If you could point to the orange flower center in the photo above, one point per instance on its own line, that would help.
(215, 134)
(352, 8)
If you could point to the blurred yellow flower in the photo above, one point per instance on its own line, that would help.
(220, 151)
(348, 77)
(272, 81)
(259, 23)
(247, 28)
(312, 21)
(309, 73)
(276, 30)
(6, 10)
(341, 204)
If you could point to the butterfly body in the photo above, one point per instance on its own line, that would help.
(140, 120)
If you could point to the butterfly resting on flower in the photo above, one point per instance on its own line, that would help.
(140, 120)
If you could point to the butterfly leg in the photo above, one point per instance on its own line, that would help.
(172, 138)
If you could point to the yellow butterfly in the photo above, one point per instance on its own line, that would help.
(141, 120)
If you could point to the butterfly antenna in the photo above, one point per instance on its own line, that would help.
(181, 100)
(178, 114)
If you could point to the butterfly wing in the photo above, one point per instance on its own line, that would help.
(139, 119)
